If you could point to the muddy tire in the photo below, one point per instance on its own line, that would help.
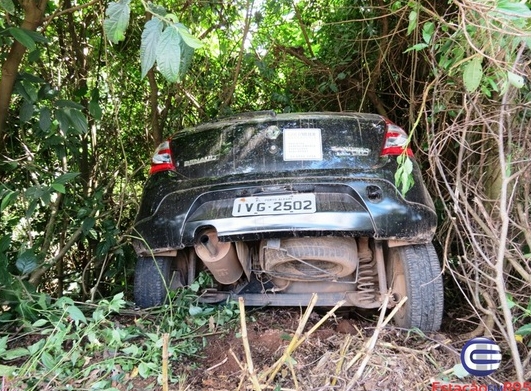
(152, 276)
(414, 271)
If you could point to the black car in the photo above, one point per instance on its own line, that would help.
(277, 207)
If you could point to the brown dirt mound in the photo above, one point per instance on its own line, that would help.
(327, 360)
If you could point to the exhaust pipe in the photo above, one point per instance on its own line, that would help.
(219, 257)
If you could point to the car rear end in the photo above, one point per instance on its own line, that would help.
(283, 175)
(279, 206)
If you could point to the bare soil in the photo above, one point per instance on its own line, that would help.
(336, 357)
(346, 352)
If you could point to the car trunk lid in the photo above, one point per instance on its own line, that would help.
(280, 143)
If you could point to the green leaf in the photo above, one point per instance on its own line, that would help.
(31, 89)
(98, 315)
(68, 103)
(8, 199)
(117, 20)
(5, 242)
(290, 360)
(8, 5)
(76, 314)
(472, 74)
(63, 119)
(15, 353)
(524, 330)
(3, 344)
(34, 192)
(187, 54)
(194, 310)
(87, 225)
(188, 38)
(26, 111)
(157, 10)
(148, 46)
(65, 178)
(64, 302)
(169, 54)
(95, 109)
(131, 351)
(22, 36)
(47, 360)
(460, 371)
(403, 177)
(513, 9)
(45, 119)
(515, 80)
(417, 47)
(78, 120)
(39, 323)
(102, 385)
(37, 346)
(117, 302)
(7, 370)
(59, 188)
(427, 31)
(195, 286)
(144, 370)
(36, 36)
(43, 301)
(510, 300)
(26, 262)
(413, 19)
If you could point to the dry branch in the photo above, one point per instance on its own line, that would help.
(246, 347)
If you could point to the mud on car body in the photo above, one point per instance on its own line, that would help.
(280, 206)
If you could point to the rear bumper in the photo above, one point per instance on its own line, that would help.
(363, 207)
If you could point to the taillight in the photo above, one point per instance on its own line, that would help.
(396, 141)
(162, 160)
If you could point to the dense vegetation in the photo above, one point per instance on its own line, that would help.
(81, 110)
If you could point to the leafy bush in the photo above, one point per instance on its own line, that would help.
(99, 346)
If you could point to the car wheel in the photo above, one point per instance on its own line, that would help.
(152, 276)
(414, 271)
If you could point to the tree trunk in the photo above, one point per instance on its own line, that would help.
(34, 12)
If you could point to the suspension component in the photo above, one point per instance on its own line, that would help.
(368, 289)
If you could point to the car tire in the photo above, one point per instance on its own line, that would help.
(414, 271)
(152, 276)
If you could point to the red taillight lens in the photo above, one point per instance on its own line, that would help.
(162, 160)
(396, 141)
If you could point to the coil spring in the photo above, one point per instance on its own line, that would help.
(367, 272)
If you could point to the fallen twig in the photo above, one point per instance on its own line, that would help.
(165, 356)
(299, 339)
(342, 355)
(293, 343)
(371, 343)
(246, 347)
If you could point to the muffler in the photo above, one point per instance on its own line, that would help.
(219, 257)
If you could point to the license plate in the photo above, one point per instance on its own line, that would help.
(272, 205)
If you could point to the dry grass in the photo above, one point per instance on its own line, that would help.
(333, 354)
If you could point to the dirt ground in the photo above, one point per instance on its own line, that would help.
(337, 356)
(347, 351)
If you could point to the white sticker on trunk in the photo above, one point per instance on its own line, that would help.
(303, 144)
